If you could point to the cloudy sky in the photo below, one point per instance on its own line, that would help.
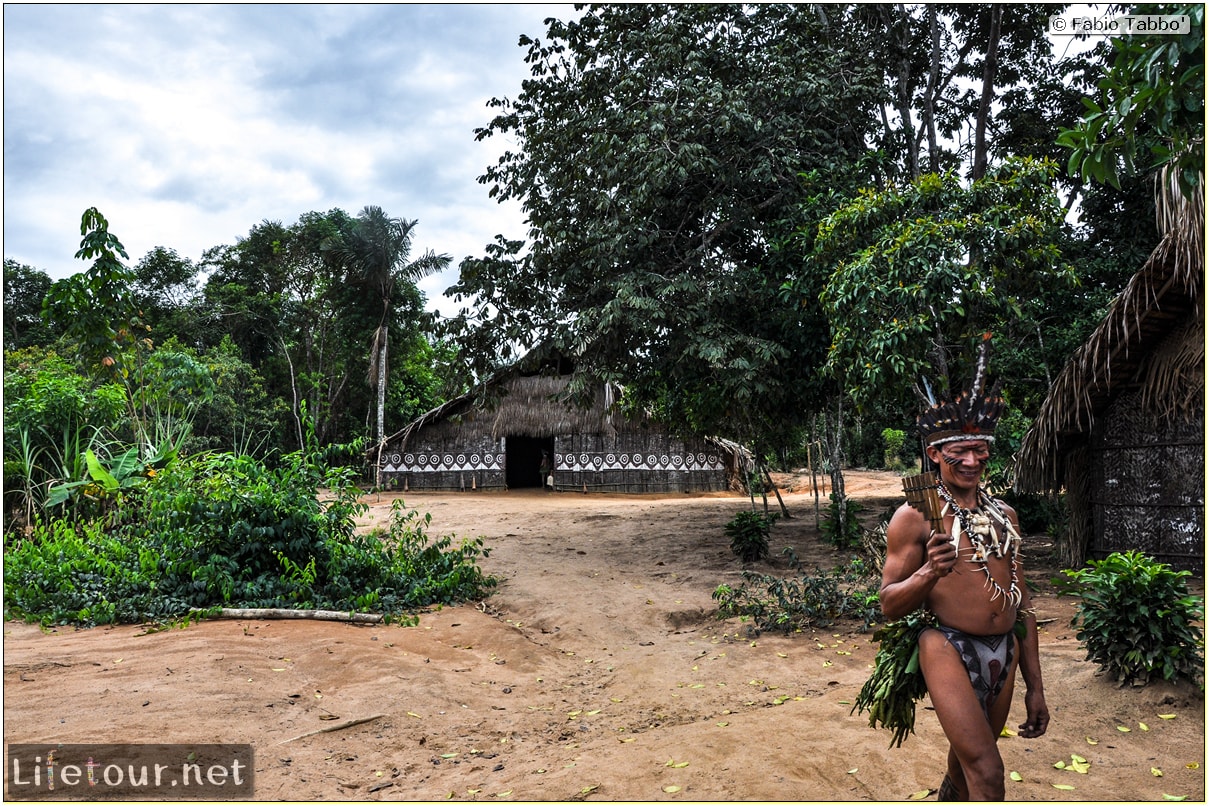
(187, 125)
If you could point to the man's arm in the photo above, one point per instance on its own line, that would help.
(914, 563)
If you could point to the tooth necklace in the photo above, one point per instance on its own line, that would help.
(984, 539)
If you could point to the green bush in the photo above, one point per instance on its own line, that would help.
(842, 530)
(221, 530)
(812, 600)
(1137, 619)
(893, 440)
(749, 535)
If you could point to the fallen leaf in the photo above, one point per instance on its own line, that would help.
(723, 724)
(1123, 729)
(589, 789)
(1143, 726)
(449, 755)
(1060, 765)
(1156, 772)
(1092, 741)
(1173, 797)
(1015, 776)
(1062, 786)
(413, 713)
(1007, 732)
(921, 794)
(1166, 716)
(853, 770)
(503, 794)
(626, 741)
(1192, 765)
(671, 788)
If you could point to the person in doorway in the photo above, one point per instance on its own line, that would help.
(970, 577)
(545, 469)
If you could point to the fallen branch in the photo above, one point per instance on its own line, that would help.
(330, 728)
(285, 613)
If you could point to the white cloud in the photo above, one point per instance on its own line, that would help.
(188, 125)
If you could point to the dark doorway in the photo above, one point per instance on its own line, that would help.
(524, 460)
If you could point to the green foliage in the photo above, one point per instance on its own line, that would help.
(220, 530)
(24, 289)
(1150, 109)
(893, 440)
(749, 532)
(659, 152)
(897, 683)
(1137, 619)
(812, 600)
(841, 527)
(933, 263)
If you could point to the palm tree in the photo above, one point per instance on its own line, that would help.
(374, 252)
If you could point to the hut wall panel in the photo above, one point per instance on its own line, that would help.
(637, 460)
(1147, 486)
(444, 458)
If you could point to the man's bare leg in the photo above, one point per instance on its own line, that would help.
(974, 762)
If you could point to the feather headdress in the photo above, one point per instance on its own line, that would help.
(972, 414)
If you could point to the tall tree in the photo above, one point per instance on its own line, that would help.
(660, 159)
(24, 290)
(374, 250)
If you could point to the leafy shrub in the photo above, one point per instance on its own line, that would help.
(812, 600)
(893, 439)
(221, 530)
(749, 532)
(842, 526)
(1136, 619)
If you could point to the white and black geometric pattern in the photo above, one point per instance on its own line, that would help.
(637, 461)
(437, 462)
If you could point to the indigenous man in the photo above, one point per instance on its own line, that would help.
(970, 578)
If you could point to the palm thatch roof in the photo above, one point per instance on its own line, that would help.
(1152, 340)
(532, 405)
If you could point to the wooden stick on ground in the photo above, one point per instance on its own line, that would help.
(285, 613)
(330, 728)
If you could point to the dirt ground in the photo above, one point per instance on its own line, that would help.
(598, 670)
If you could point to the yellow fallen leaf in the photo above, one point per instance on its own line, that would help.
(826, 663)
(671, 788)
(413, 713)
(1007, 731)
(1077, 759)
(1092, 741)
(1143, 726)
(594, 713)
(1123, 729)
(1156, 772)
(1173, 797)
(1015, 776)
(782, 655)
(473, 791)
(723, 724)
(1060, 765)
(587, 790)
(626, 741)
(1166, 716)
(503, 794)
(449, 755)
(853, 770)
(279, 670)
(1192, 765)
(1062, 786)
(921, 794)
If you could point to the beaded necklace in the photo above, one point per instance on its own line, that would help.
(977, 525)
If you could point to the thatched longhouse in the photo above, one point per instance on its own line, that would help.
(1122, 430)
(494, 439)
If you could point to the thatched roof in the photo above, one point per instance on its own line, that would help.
(521, 404)
(1152, 339)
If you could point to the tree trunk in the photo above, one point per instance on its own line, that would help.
(990, 68)
(382, 342)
